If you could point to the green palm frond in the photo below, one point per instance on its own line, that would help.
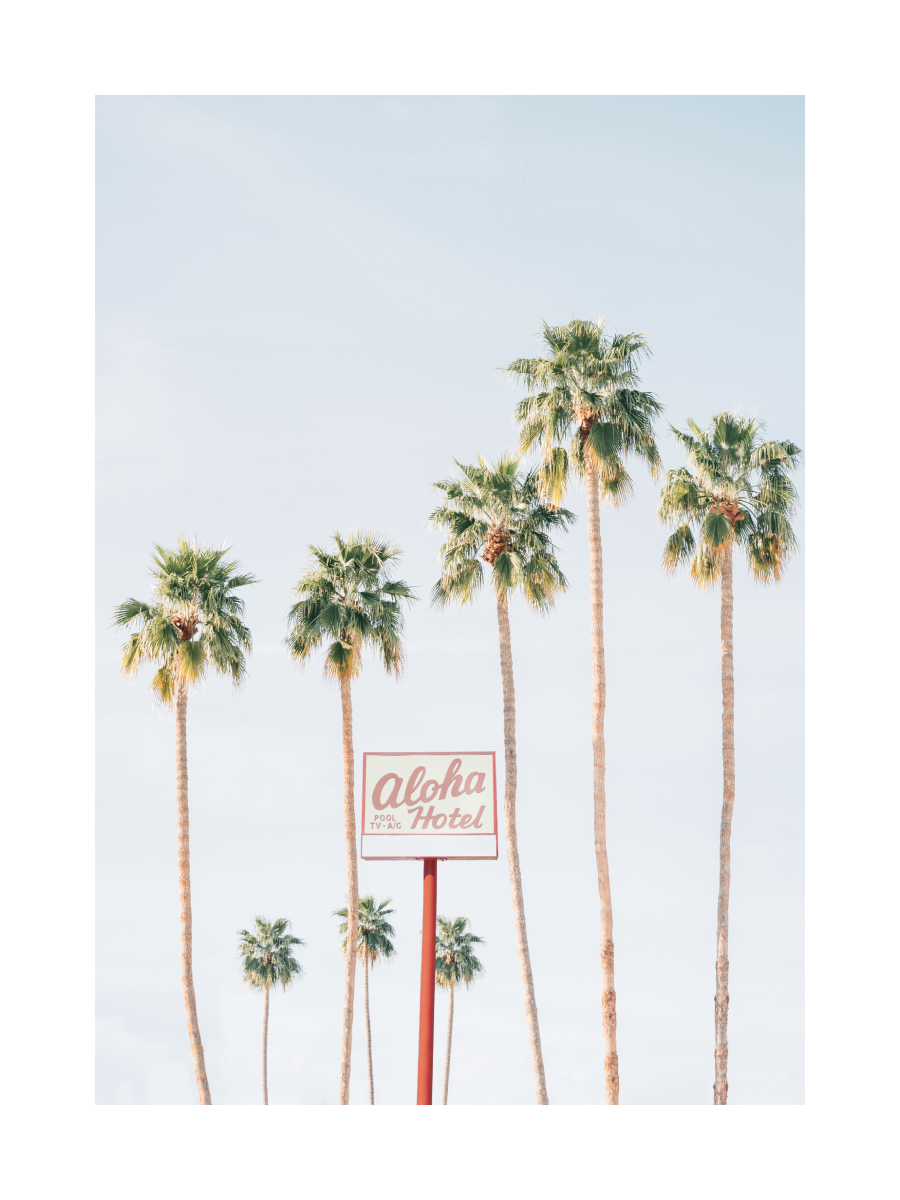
(679, 549)
(616, 485)
(715, 530)
(374, 930)
(267, 958)
(454, 961)
(460, 582)
(193, 622)
(130, 610)
(162, 686)
(735, 491)
(347, 600)
(777, 491)
(604, 441)
(190, 661)
(706, 567)
(493, 513)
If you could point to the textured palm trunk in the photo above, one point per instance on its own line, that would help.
(512, 846)
(184, 894)
(265, 1048)
(720, 1089)
(352, 892)
(449, 1040)
(607, 959)
(368, 1031)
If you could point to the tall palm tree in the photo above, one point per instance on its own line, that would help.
(734, 492)
(268, 962)
(494, 514)
(347, 600)
(193, 624)
(454, 963)
(373, 941)
(586, 416)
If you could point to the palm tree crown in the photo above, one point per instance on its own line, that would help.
(493, 513)
(735, 490)
(587, 393)
(454, 961)
(267, 957)
(347, 600)
(193, 623)
(375, 931)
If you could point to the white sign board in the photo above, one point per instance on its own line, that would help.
(429, 806)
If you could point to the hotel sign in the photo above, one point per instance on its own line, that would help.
(429, 805)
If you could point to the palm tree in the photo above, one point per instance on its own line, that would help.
(454, 963)
(494, 514)
(373, 942)
(586, 388)
(268, 961)
(193, 624)
(347, 600)
(735, 492)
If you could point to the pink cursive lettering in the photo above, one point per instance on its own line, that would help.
(392, 800)
(414, 780)
(452, 776)
(429, 816)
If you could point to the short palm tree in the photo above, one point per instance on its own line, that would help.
(373, 941)
(586, 416)
(193, 624)
(348, 600)
(268, 962)
(454, 963)
(494, 514)
(734, 492)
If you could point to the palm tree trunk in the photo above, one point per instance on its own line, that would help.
(368, 1030)
(720, 1089)
(512, 846)
(607, 962)
(352, 891)
(184, 893)
(449, 1039)
(265, 1065)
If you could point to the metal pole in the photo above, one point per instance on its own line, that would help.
(426, 993)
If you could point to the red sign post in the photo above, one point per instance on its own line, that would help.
(426, 990)
(429, 806)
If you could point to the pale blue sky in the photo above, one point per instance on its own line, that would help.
(302, 306)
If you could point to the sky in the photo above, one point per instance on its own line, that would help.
(302, 308)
